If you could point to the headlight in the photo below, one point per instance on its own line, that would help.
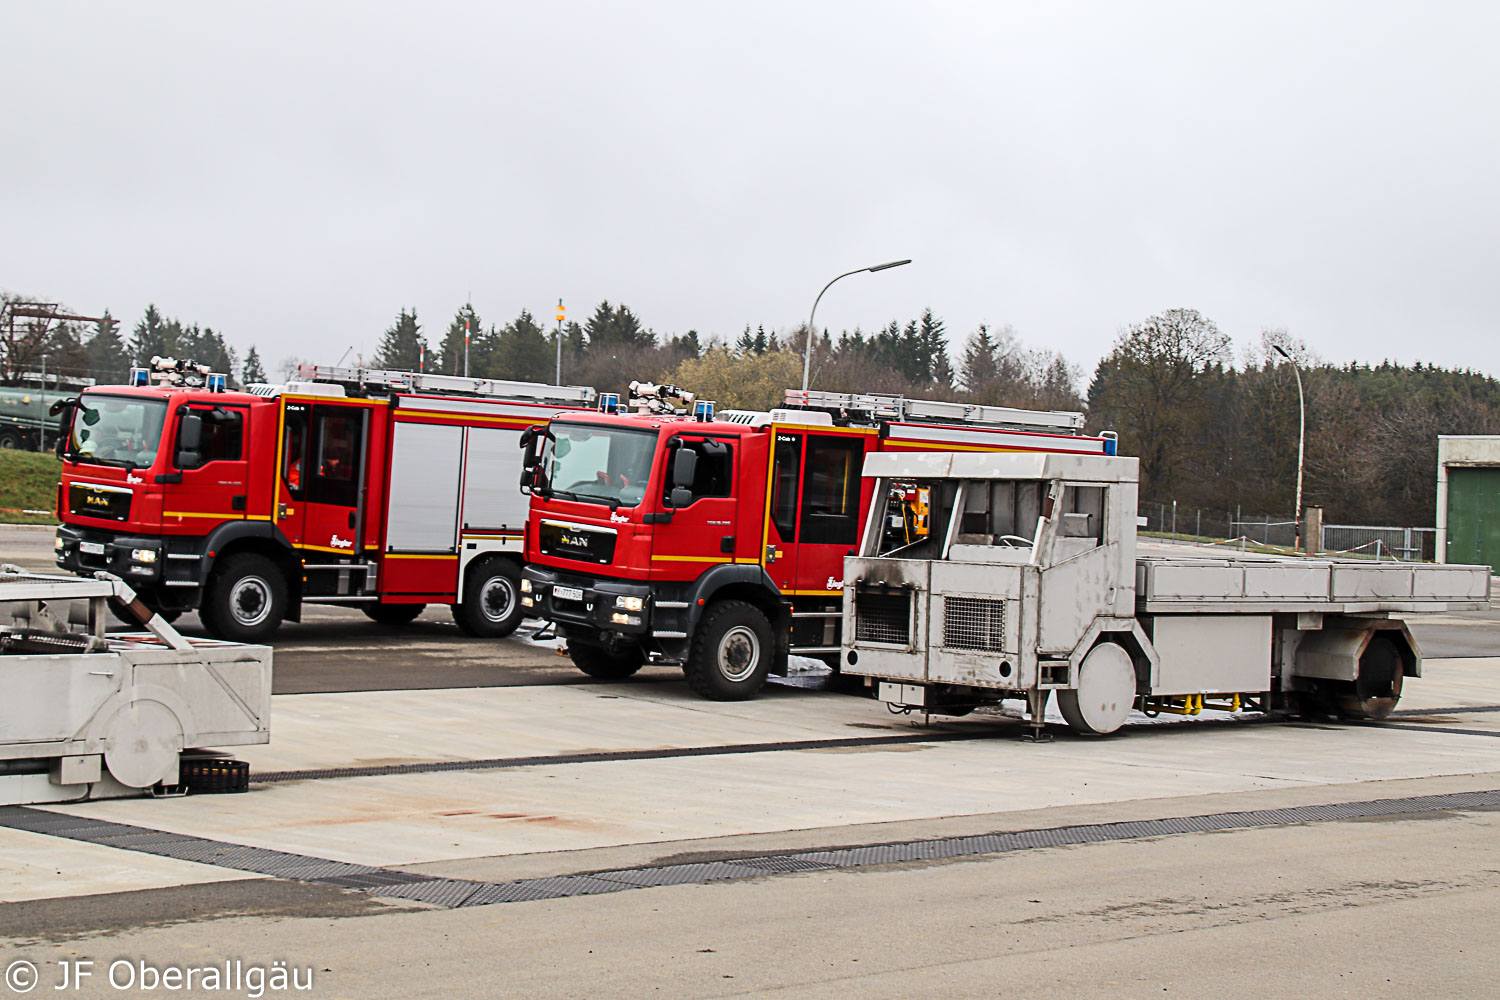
(620, 619)
(143, 555)
(629, 603)
(57, 543)
(526, 602)
(525, 585)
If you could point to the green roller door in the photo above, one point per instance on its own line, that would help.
(1474, 516)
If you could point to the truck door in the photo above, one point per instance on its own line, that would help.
(828, 522)
(323, 464)
(780, 553)
(214, 481)
(703, 532)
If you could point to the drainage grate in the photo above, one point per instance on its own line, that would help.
(452, 893)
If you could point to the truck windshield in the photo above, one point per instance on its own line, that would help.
(598, 464)
(116, 430)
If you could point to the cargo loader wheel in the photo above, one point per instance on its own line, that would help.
(731, 652)
(246, 599)
(491, 605)
(392, 614)
(1377, 689)
(1105, 692)
(604, 665)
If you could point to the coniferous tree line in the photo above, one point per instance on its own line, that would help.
(1212, 430)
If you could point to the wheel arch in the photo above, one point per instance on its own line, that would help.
(257, 537)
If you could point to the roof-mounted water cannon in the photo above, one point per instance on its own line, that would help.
(651, 397)
(182, 372)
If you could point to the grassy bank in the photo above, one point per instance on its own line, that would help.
(28, 481)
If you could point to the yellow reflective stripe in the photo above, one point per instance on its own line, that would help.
(233, 516)
(418, 555)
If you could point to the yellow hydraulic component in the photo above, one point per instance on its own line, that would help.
(1193, 704)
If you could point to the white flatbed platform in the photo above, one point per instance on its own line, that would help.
(1250, 585)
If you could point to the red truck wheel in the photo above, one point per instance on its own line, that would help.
(246, 599)
(600, 664)
(731, 652)
(392, 614)
(491, 606)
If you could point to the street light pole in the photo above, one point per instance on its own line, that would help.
(807, 351)
(1301, 436)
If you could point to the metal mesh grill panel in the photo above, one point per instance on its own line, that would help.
(882, 617)
(974, 623)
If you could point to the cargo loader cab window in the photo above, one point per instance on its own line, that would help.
(334, 456)
(830, 490)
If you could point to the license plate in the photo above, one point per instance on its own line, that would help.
(91, 548)
(567, 593)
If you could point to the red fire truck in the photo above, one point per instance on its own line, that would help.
(384, 490)
(719, 543)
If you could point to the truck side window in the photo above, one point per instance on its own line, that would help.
(830, 490)
(223, 435)
(786, 471)
(713, 475)
(335, 456)
(294, 450)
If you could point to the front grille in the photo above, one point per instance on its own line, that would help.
(882, 616)
(88, 500)
(974, 623)
(575, 541)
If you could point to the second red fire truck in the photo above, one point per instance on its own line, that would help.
(718, 543)
(383, 490)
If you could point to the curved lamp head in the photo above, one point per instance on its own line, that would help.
(887, 265)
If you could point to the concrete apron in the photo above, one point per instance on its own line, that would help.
(474, 819)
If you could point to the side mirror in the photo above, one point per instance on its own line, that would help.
(190, 434)
(684, 467)
(189, 440)
(681, 496)
(529, 438)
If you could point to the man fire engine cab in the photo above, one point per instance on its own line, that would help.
(719, 543)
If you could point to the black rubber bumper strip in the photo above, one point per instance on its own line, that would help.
(451, 893)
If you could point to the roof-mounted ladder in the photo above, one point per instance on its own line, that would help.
(899, 408)
(384, 380)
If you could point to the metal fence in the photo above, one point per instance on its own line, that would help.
(1406, 544)
(1203, 524)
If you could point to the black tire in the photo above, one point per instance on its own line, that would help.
(10, 441)
(601, 664)
(491, 605)
(731, 652)
(246, 599)
(392, 614)
(1374, 694)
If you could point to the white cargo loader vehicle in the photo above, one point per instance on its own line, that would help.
(90, 715)
(1030, 582)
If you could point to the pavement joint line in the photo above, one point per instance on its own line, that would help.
(453, 893)
(664, 753)
(605, 756)
(1452, 730)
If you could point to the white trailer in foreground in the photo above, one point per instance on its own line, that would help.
(87, 715)
(1030, 582)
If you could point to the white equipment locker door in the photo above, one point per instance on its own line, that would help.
(426, 468)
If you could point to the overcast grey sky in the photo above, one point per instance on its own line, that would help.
(293, 173)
